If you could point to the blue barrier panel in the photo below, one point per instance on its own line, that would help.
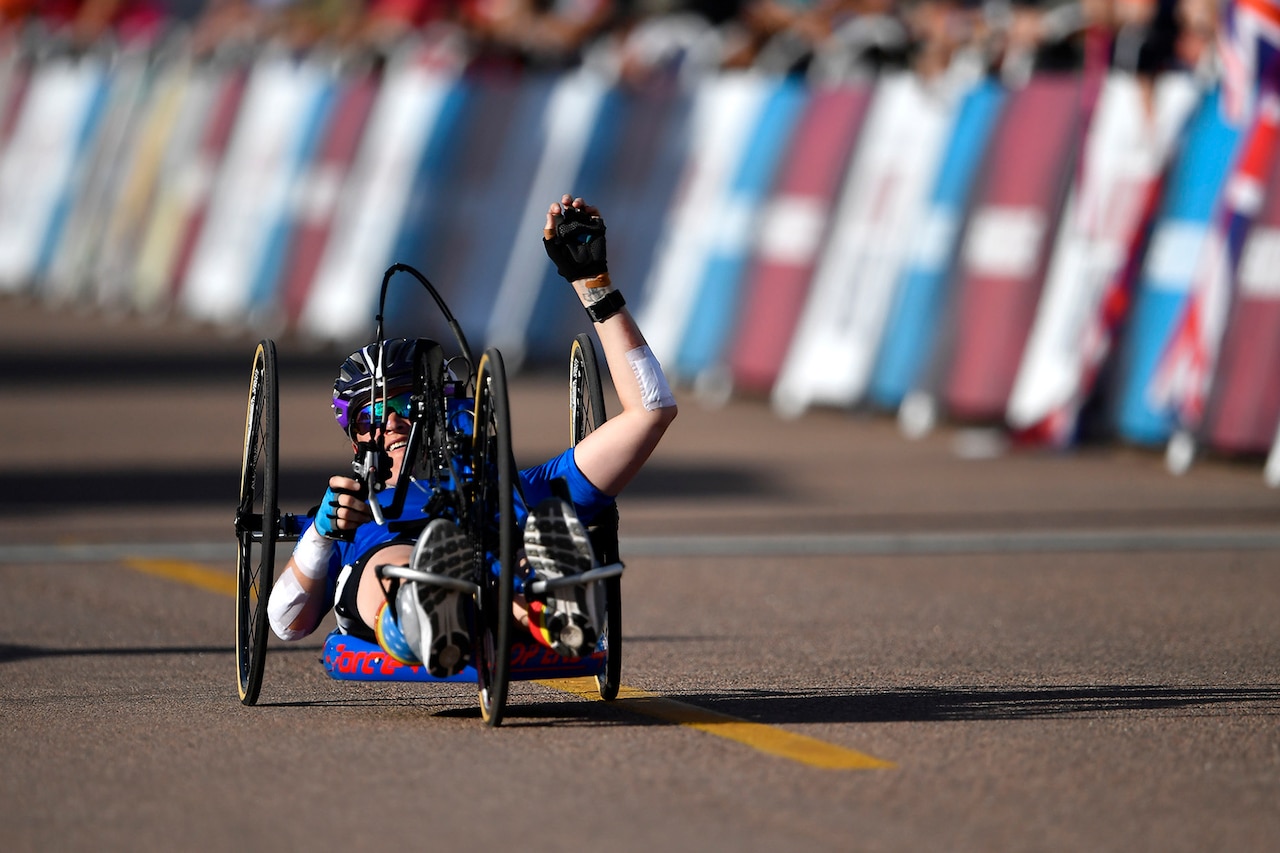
(425, 211)
(319, 189)
(1179, 234)
(629, 168)
(917, 314)
(266, 288)
(556, 314)
(480, 180)
(724, 109)
(715, 309)
(635, 183)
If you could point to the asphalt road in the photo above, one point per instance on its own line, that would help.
(835, 638)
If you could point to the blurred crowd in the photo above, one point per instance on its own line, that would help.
(639, 39)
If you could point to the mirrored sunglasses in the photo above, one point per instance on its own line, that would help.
(375, 413)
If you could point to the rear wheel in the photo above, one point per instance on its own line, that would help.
(493, 524)
(257, 520)
(586, 412)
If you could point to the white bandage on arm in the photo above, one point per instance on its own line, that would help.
(311, 554)
(655, 393)
(311, 558)
(287, 600)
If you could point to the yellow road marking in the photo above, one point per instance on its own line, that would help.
(188, 573)
(766, 739)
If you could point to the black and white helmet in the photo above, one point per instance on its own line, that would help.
(359, 375)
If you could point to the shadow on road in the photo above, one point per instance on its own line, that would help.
(925, 705)
(301, 488)
(11, 652)
(951, 704)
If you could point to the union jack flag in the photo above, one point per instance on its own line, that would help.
(1249, 52)
(1183, 376)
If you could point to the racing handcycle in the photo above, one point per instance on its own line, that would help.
(459, 449)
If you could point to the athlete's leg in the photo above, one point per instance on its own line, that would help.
(423, 623)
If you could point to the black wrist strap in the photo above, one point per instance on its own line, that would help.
(605, 308)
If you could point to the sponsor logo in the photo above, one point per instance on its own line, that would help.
(533, 656)
(1005, 242)
(346, 661)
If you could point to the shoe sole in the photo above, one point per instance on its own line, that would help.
(556, 545)
(446, 609)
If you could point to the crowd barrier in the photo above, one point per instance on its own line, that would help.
(951, 248)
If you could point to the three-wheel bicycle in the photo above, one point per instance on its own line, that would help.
(459, 450)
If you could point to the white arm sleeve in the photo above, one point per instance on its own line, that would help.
(287, 600)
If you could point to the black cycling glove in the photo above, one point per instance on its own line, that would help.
(578, 247)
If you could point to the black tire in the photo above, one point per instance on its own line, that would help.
(492, 520)
(586, 413)
(257, 521)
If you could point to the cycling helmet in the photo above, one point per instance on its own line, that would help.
(353, 389)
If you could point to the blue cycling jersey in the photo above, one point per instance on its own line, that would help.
(535, 484)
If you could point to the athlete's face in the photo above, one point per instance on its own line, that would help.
(398, 426)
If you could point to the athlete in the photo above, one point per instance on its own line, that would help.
(334, 562)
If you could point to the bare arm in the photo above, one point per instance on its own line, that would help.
(612, 455)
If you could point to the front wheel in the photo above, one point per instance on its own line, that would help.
(257, 519)
(586, 413)
(494, 527)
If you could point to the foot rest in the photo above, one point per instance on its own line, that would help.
(612, 570)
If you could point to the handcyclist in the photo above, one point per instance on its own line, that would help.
(334, 562)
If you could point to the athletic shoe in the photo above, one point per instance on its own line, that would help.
(434, 618)
(566, 619)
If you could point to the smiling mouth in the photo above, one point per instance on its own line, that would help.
(399, 445)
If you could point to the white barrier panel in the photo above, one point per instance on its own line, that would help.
(895, 162)
(1128, 146)
(263, 161)
(96, 180)
(341, 304)
(35, 176)
(725, 111)
(572, 111)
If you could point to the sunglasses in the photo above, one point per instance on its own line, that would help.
(376, 413)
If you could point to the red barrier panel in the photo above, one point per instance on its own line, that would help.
(1006, 247)
(321, 187)
(795, 222)
(1245, 407)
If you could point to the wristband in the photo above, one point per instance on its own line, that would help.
(605, 307)
(311, 554)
